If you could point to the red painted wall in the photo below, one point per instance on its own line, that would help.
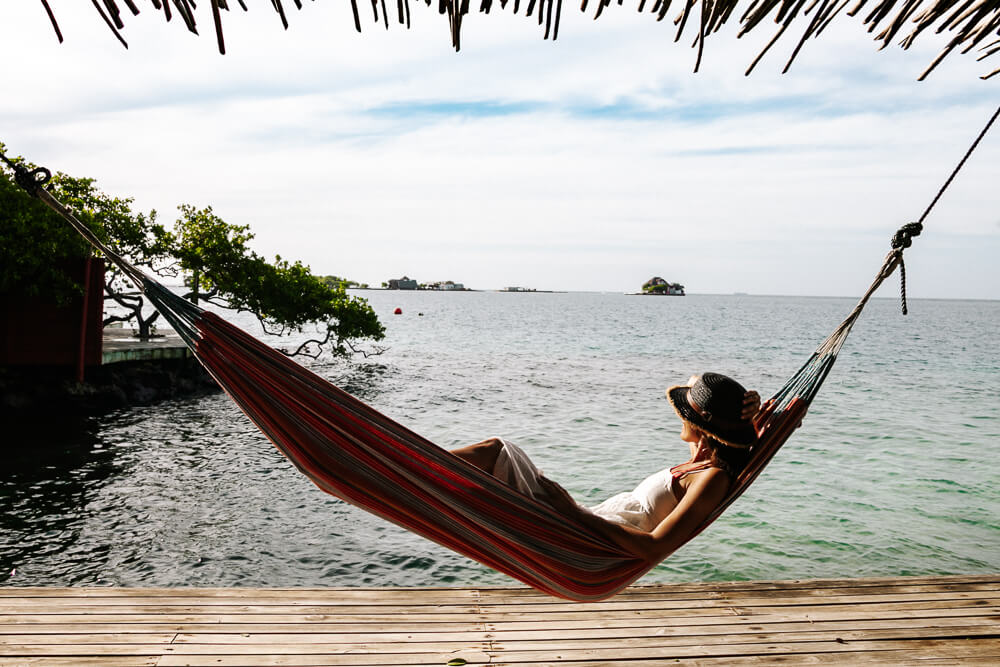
(36, 333)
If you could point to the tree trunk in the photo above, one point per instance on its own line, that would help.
(195, 280)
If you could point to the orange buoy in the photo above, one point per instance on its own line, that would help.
(398, 311)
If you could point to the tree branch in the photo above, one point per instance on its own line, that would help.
(374, 352)
(319, 343)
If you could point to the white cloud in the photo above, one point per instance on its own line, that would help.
(587, 163)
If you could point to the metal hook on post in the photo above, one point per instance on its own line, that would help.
(29, 179)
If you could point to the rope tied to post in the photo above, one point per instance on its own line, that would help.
(904, 235)
(33, 181)
(902, 239)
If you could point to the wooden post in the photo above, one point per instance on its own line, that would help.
(81, 357)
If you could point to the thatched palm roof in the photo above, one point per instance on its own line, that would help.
(974, 24)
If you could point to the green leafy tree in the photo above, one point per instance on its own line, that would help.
(213, 256)
(335, 281)
(148, 245)
(284, 296)
(36, 245)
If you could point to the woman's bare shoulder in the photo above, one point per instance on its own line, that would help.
(710, 484)
(707, 478)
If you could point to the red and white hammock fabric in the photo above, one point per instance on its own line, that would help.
(352, 451)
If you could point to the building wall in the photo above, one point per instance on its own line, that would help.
(35, 332)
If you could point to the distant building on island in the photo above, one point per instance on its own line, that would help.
(447, 285)
(402, 283)
(657, 285)
(518, 289)
(410, 283)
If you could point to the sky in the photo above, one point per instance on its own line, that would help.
(593, 162)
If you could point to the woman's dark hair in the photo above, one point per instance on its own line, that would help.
(730, 459)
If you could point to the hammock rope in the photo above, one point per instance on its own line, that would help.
(904, 236)
(355, 453)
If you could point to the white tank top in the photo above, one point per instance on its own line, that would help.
(645, 506)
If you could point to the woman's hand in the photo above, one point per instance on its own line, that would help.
(751, 405)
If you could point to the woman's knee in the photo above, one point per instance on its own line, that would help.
(492, 444)
(483, 454)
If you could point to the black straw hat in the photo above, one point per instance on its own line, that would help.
(714, 404)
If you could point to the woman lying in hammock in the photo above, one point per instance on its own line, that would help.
(658, 516)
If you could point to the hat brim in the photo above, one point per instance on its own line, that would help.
(742, 436)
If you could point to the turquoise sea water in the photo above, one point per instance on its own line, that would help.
(895, 471)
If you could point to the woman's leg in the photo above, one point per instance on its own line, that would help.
(483, 454)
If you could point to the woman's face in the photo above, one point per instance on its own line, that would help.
(689, 433)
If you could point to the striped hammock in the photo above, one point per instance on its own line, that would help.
(355, 453)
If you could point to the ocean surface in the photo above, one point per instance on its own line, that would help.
(896, 470)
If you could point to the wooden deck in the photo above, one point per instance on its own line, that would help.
(120, 344)
(926, 621)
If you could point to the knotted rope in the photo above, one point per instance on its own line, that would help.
(31, 180)
(903, 237)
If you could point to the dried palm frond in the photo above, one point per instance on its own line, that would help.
(971, 22)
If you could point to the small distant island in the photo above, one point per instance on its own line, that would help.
(659, 286)
(406, 283)
(337, 282)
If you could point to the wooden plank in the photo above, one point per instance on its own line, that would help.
(81, 661)
(762, 600)
(659, 594)
(679, 624)
(558, 643)
(511, 620)
(355, 656)
(495, 608)
(375, 598)
(855, 654)
(368, 596)
(221, 608)
(87, 638)
(413, 650)
(432, 642)
(916, 657)
(309, 661)
(624, 652)
(403, 593)
(342, 624)
(509, 613)
(408, 652)
(908, 627)
(729, 614)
